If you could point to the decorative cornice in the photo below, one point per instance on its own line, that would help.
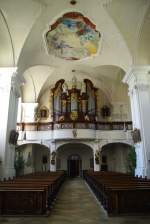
(136, 74)
(142, 86)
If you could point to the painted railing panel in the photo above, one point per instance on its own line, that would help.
(127, 125)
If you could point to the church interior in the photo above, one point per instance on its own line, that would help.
(75, 105)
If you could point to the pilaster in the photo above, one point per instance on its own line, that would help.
(138, 80)
(9, 93)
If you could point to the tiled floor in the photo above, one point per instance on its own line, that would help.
(76, 205)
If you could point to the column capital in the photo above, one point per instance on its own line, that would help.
(137, 78)
(137, 74)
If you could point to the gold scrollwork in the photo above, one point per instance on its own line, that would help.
(74, 115)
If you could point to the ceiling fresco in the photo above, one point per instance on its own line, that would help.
(73, 37)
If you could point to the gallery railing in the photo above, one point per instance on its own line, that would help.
(38, 126)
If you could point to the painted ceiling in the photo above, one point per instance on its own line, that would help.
(73, 37)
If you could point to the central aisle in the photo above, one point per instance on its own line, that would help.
(75, 204)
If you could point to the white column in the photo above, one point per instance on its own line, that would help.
(29, 112)
(9, 94)
(95, 152)
(52, 157)
(139, 91)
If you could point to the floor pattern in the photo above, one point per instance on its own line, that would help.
(75, 204)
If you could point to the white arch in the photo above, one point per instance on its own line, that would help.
(107, 142)
(85, 143)
(42, 143)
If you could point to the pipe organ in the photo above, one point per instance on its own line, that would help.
(74, 104)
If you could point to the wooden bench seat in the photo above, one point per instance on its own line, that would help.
(30, 194)
(22, 200)
(120, 193)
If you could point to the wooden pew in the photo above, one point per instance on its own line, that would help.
(31, 194)
(24, 201)
(120, 193)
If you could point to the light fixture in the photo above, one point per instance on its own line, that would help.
(73, 2)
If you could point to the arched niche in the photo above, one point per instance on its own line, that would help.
(115, 157)
(74, 151)
(36, 157)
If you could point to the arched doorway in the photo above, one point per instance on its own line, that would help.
(74, 166)
(74, 158)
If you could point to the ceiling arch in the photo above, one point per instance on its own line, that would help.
(143, 46)
(19, 19)
(34, 51)
(28, 21)
(6, 45)
(67, 74)
(35, 77)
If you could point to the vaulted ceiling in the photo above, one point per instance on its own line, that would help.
(124, 26)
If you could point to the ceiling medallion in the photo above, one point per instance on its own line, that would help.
(73, 2)
(73, 37)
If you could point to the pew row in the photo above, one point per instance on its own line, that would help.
(30, 194)
(120, 194)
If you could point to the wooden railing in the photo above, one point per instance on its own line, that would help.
(127, 125)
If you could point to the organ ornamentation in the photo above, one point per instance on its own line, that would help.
(74, 104)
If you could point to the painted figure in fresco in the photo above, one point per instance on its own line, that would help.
(73, 37)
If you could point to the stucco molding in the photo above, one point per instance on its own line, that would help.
(137, 78)
(136, 73)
